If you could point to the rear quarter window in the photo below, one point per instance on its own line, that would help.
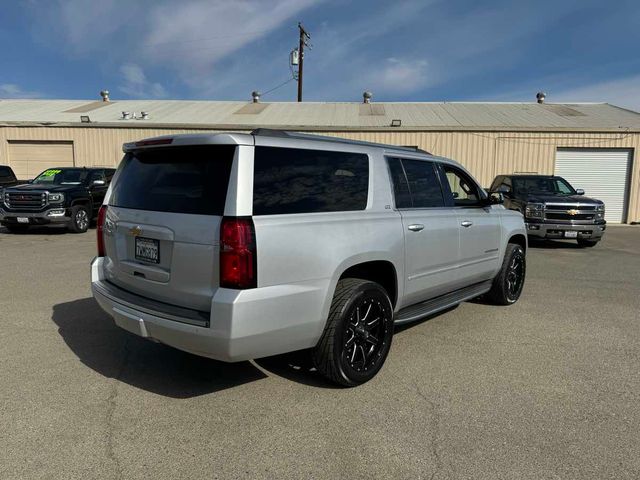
(190, 180)
(289, 180)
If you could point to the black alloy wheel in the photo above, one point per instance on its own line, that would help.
(509, 282)
(358, 334)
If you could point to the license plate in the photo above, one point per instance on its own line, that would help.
(147, 250)
(23, 220)
(570, 234)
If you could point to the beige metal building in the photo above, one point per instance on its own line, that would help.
(592, 145)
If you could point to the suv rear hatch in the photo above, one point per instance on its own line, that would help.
(162, 226)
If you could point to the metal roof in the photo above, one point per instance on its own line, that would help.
(323, 116)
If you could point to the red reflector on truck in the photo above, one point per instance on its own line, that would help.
(237, 253)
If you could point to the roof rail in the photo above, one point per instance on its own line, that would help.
(269, 132)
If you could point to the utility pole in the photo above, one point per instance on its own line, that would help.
(304, 38)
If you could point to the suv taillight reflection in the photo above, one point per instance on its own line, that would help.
(102, 213)
(237, 253)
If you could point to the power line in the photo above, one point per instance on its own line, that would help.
(279, 86)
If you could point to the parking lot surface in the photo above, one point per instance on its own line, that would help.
(548, 388)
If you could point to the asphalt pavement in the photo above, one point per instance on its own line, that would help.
(546, 389)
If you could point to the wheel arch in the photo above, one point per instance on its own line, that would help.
(519, 239)
(382, 272)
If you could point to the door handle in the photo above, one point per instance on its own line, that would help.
(416, 227)
(466, 224)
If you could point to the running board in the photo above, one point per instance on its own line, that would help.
(421, 310)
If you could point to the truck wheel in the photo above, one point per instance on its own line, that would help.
(583, 242)
(80, 219)
(16, 228)
(357, 338)
(507, 285)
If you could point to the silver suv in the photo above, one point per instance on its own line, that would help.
(239, 246)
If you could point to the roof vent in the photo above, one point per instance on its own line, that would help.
(144, 116)
(255, 95)
(105, 95)
(540, 96)
(366, 97)
(126, 115)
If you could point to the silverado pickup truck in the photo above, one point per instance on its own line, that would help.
(67, 196)
(238, 246)
(552, 208)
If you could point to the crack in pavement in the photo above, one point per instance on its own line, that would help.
(434, 431)
(111, 408)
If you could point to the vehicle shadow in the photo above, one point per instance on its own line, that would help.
(38, 230)
(296, 366)
(114, 353)
(554, 244)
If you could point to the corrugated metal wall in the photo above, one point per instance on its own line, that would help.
(485, 154)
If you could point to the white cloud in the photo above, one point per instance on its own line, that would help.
(401, 76)
(136, 84)
(11, 90)
(188, 38)
(623, 92)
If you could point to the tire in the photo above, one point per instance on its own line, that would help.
(507, 285)
(16, 228)
(341, 354)
(583, 242)
(80, 219)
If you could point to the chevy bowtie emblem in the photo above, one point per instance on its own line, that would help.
(572, 212)
(135, 231)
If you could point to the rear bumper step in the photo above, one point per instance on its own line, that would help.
(147, 305)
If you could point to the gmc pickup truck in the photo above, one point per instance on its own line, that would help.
(239, 246)
(67, 196)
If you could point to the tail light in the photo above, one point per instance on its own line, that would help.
(102, 213)
(237, 253)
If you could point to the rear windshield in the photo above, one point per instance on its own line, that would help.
(175, 179)
(290, 180)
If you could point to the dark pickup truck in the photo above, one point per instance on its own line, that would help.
(552, 208)
(68, 196)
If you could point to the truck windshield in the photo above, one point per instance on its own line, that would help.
(66, 176)
(547, 185)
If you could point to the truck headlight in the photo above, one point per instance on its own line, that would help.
(534, 210)
(600, 208)
(56, 197)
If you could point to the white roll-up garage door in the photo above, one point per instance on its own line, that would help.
(602, 173)
(29, 158)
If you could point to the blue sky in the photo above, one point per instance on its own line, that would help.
(429, 50)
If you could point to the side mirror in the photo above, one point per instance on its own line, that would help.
(579, 191)
(455, 194)
(496, 198)
(99, 182)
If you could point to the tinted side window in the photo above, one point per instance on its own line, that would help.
(423, 184)
(415, 184)
(496, 183)
(463, 188)
(289, 180)
(5, 172)
(400, 185)
(175, 179)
